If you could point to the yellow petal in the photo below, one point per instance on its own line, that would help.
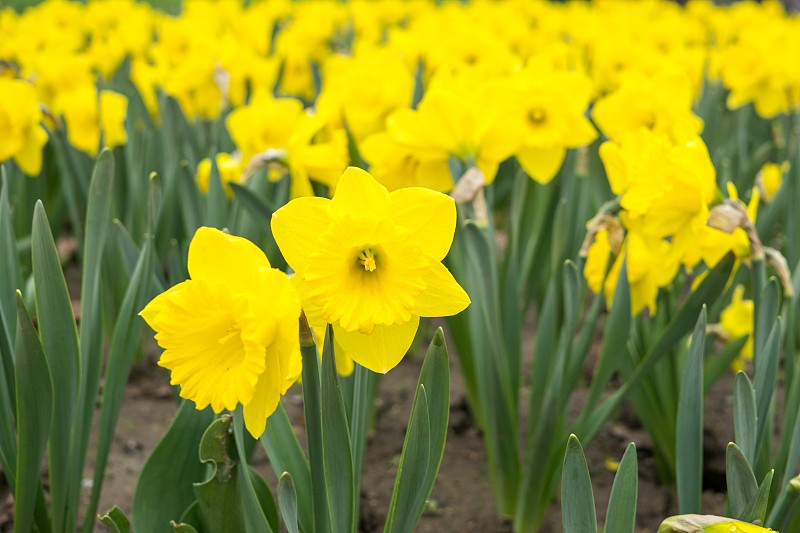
(214, 255)
(381, 350)
(296, 227)
(541, 164)
(429, 216)
(443, 296)
(212, 343)
(265, 399)
(358, 192)
(29, 158)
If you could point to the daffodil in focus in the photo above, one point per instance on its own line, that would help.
(230, 333)
(369, 263)
(737, 320)
(22, 135)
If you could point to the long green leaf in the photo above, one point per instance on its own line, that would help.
(745, 419)
(766, 381)
(164, 489)
(312, 407)
(98, 221)
(116, 521)
(34, 415)
(741, 481)
(423, 447)
(689, 439)
(255, 519)
(10, 280)
(124, 343)
(621, 513)
(60, 343)
(756, 512)
(412, 470)
(577, 501)
(337, 455)
(286, 457)
(287, 499)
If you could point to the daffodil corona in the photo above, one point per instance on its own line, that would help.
(369, 262)
(230, 333)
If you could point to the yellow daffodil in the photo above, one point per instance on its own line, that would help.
(551, 111)
(447, 124)
(396, 166)
(737, 320)
(770, 178)
(22, 135)
(655, 103)
(666, 182)
(230, 333)
(230, 170)
(86, 113)
(369, 263)
(282, 125)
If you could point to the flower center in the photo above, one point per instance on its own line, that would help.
(367, 259)
(536, 116)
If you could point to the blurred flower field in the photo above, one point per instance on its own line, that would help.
(579, 208)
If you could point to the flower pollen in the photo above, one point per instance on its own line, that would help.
(367, 259)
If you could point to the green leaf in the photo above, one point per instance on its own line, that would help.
(621, 513)
(719, 365)
(60, 344)
(265, 498)
(124, 343)
(34, 415)
(218, 496)
(254, 496)
(116, 520)
(615, 337)
(689, 438)
(312, 407)
(287, 499)
(98, 221)
(182, 528)
(412, 470)
(424, 443)
(577, 501)
(164, 489)
(286, 457)
(744, 415)
(741, 481)
(337, 455)
(766, 380)
(10, 280)
(257, 206)
(757, 510)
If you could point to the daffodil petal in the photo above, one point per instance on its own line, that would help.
(443, 295)
(381, 350)
(541, 164)
(296, 227)
(215, 255)
(429, 216)
(357, 192)
(265, 400)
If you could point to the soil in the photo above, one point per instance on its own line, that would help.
(462, 499)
